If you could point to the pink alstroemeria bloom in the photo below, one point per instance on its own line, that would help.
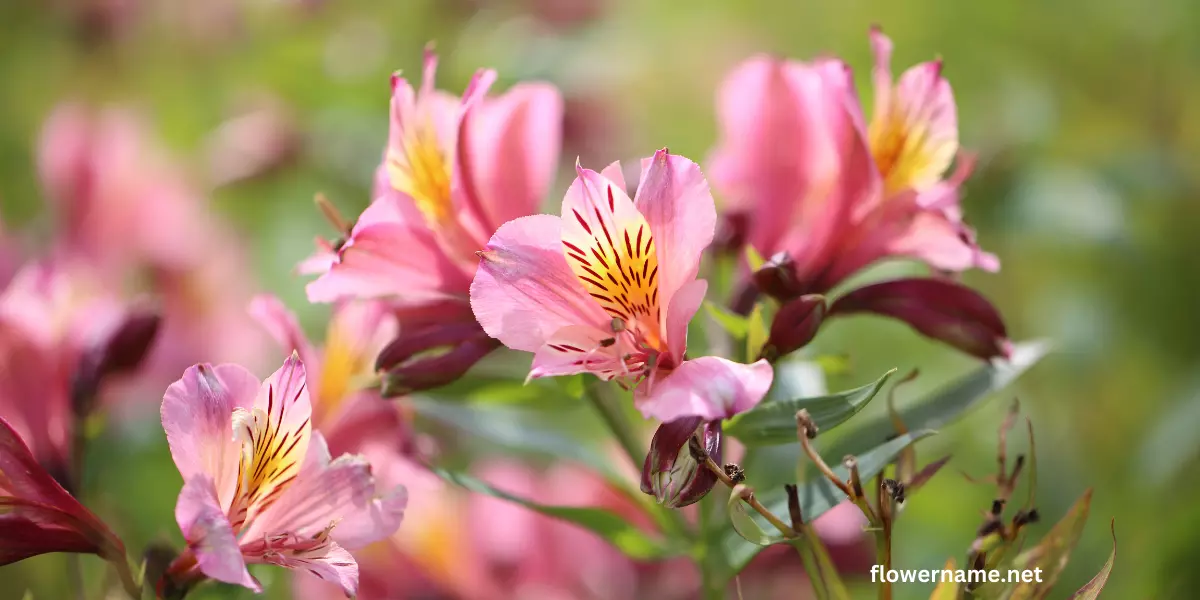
(797, 160)
(823, 194)
(610, 287)
(453, 171)
(259, 484)
(63, 334)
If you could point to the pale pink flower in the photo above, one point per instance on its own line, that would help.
(823, 194)
(452, 172)
(58, 325)
(797, 158)
(609, 289)
(259, 484)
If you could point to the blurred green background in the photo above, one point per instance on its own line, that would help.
(1084, 115)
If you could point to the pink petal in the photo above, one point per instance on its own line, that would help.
(281, 324)
(614, 173)
(613, 251)
(330, 562)
(209, 534)
(674, 198)
(511, 150)
(197, 415)
(339, 493)
(578, 349)
(709, 387)
(783, 136)
(679, 314)
(881, 72)
(391, 260)
(284, 398)
(524, 291)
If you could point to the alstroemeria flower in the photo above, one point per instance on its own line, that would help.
(610, 287)
(811, 186)
(453, 171)
(62, 335)
(259, 484)
(38, 516)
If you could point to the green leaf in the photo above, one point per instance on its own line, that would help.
(1052, 553)
(757, 332)
(733, 324)
(745, 525)
(614, 528)
(515, 429)
(1091, 590)
(948, 404)
(774, 420)
(817, 496)
(946, 590)
(753, 259)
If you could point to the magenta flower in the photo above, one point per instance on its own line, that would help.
(822, 194)
(453, 171)
(259, 484)
(609, 289)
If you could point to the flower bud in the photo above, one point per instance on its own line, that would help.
(941, 309)
(777, 277)
(431, 357)
(119, 353)
(671, 473)
(795, 325)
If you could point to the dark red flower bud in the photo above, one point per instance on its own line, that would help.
(777, 277)
(939, 308)
(120, 353)
(671, 473)
(431, 357)
(795, 325)
(37, 516)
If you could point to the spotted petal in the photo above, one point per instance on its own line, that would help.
(678, 207)
(611, 249)
(329, 561)
(274, 437)
(337, 493)
(196, 415)
(524, 290)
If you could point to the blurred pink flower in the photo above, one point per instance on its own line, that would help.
(38, 516)
(475, 547)
(823, 195)
(260, 486)
(453, 171)
(585, 292)
(796, 158)
(128, 213)
(58, 325)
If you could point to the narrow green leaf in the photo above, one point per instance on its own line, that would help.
(733, 324)
(753, 259)
(817, 496)
(514, 429)
(774, 421)
(1091, 590)
(1052, 553)
(627, 538)
(948, 404)
(757, 332)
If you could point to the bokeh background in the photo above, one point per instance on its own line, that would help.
(1083, 113)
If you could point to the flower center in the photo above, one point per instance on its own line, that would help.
(907, 153)
(617, 263)
(420, 168)
(272, 452)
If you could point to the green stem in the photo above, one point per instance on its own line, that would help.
(602, 398)
(600, 395)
